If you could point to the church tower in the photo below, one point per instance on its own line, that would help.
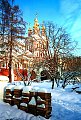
(43, 32)
(36, 28)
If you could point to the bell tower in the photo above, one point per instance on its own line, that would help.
(36, 28)
(43, 32)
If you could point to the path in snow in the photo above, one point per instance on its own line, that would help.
(65, 105)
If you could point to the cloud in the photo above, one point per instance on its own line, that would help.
(69, 6)
(70, 11)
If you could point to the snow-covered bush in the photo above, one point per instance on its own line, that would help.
(69, 77)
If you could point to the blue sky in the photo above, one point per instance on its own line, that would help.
(66, 13)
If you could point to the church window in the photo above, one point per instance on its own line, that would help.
(41, 54)
(37, 45)
(37, 54)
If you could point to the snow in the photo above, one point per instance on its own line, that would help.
(13, 113)
(26, 89)
(32, 101)
(4, 78)
(66, 104)
(11, 87)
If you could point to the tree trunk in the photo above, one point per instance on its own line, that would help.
(63, 85)
(10, 62)
(52, 79)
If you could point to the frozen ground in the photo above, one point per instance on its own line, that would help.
(66, 105)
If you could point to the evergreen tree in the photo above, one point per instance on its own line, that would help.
(12, 27)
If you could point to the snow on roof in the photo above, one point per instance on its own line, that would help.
(4, 78)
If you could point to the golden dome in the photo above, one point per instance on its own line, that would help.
(36, 20)
(43, 27)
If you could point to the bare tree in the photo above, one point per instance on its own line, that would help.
(70, 77)
(59, 44)
(72, 63)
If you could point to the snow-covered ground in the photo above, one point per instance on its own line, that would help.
(66, 105)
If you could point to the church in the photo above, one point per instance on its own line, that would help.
(33, 49)
(37, 41)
